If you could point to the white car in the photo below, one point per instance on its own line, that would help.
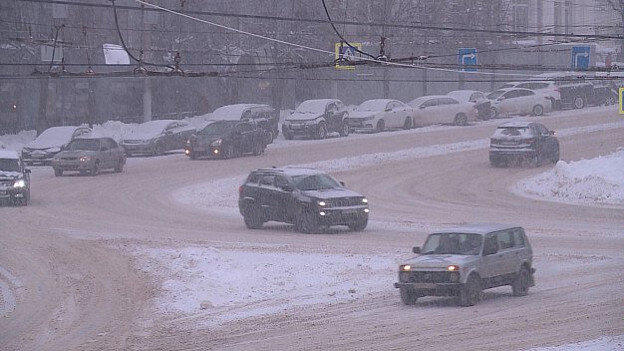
(441, 109)
(516, 101)
(50, 142)
(476, 98)
(548, 89)
(381, 114)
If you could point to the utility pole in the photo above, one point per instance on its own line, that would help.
(147, 84)
(540, 28)
(386, 82)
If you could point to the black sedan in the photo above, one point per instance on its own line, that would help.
(523, 141)
(227, 139)
(157, 137)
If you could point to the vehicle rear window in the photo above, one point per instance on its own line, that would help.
(253, 178)
(513, 132)
(9, 165)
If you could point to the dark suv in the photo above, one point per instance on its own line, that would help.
(316, 118)
(14, 179)
(307, 198)
(227, 139)
(531, 142)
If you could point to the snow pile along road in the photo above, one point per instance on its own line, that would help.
(607, 343)
(595, 181)
(196, 279)
(17, 141)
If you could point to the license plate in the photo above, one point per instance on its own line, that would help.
(349, 212)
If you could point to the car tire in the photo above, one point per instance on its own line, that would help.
(579, 103)
(555, 156)
(534, 161)
(460, 119)
(408, 296)
(257, 149)
(120, 165)
(493, 112)
(157, 150)
(381, 126)
(610, 100)
(359, 225)
(522, 282)
(228, 152)
(95, 170)
(321, 131)
(345, 130)
(287, 135)
(538, 110)
(409, 124)
(306, 222)
(58, 172)
(252, 218)
(470, 292)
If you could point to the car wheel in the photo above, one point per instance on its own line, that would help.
(359, 225)
(252, 218)
(157, 150)
(95, 170)
(534, 161)
(493, 112)
(345, 130)
(58, 172)
(408, 123)
(460, 120)
(307, 222)
(538, 110)
(381, 125)
(228, 152)
(120, 165)
(579, 102)
(321, 131)
(470, 293)
(520, 285)
(408, 296)
(258, 149)
(193, 155)
(269, 138)
(287, 135)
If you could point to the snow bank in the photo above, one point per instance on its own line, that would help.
(607, 343)
(206, 278)
(595, 181)
(17, 141)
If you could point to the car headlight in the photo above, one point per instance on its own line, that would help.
(20, 183)
(405, 268)
(217, 142)
(452, 268)
(364, 200)
(85, 158)
(322, 203)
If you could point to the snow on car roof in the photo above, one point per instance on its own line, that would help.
(232, 112)
(9, 154)
(53, 137)
(426, 98)
(515, 125)
(462, 94)
(293, 171)
(147, 130)
(478, 228)
(318, 104)
(374, 104)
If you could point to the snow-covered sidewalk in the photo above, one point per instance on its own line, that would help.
(598, 181)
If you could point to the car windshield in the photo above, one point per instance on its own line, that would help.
(9, 165)
(453, 244)
(495, 95)
(373, 105)
(513, 131)
(312, 106)
(218, 128)
(315, 182)
(84, 144)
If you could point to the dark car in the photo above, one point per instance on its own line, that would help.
(523, 141)
(47, 144)
(604, 95)
(156, 137)
(263, 115)
(316, 118)
(464, 261)
(14, 179)
(307, 198)
(227, 139)
(89, 155)
(574, 89)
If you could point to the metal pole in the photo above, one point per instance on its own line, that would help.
(386, 82)
(147, 86)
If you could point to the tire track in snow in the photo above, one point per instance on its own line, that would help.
(7, 298)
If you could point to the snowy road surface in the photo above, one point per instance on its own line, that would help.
(113, 262)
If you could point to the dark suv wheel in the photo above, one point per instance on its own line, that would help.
(307, 222)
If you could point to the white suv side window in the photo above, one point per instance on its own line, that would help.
(505, 239)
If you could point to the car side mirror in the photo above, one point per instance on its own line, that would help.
(422, 107)
(416, 249)
(388, 109)
(168, 132)
(552, 132)
(27, 170)
(63, 147)
(342, 183)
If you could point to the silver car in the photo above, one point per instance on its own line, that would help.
(89, 155)
(465, 260)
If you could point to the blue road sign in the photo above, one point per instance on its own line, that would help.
(466, 58)
(580, 57)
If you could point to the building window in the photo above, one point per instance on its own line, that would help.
(520, 15)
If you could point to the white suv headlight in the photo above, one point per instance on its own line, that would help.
(20, 183)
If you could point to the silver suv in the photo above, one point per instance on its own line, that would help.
(465, 260)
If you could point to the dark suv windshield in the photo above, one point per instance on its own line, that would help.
(218, 128)
(9, 165)
(84, 144)
(315, 182)
(453, 244)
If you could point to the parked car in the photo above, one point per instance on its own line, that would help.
(156, 137)
(49, 143)
(379, 115)
(466, 260)
(307, 198)
(227, 139)
(476, 98)
(576, 91)
(548, 88)
(316, 118)
(89, 155)
(516, 101)
(14, 179)
(264, 115)
(441, 109)
(532, 142)
(604, 95)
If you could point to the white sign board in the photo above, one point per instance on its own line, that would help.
(115, 55)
